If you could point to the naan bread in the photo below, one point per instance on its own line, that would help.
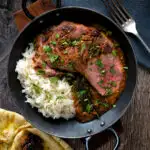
(31, 138)
(10, 124)
(17, 134)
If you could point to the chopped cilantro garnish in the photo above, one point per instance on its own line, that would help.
(69, 74)
(89, 108)
(109, 33)
(40, 72)
(65, 52)
(54, 79)
(116, 45)
(64, 43)
(48, 96)
(53, 43)
(103, 72)
(74, 43)
(114, 53)
(83, 46)
(99, 63)
(36, 89)
(98, 102)
(104, 104)
(97, 115)
(112, 70)
(85, 100)
(60, 97)
(70, 65)
(126, 68)
(43, 64)
(114, 106)
(108, 91)
(57, 36)
(113, 83)
(101, 82)
(94, 50)
(53, 58)
(82, 92)
(47, 48)
(62, 61)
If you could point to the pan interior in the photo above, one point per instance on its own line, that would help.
(70, 128)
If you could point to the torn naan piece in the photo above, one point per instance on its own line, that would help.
(33, 139)
(17, 134)
(10, 124)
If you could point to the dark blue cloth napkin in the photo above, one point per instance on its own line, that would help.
(139, 10)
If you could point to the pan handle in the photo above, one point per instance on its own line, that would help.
(113, 132)
(28, 14)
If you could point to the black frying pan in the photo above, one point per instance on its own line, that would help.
(71, 128)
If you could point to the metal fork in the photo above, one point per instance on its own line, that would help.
(123, 19)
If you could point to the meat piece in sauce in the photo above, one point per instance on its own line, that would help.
(107, 72)
(72, 47)
(86, 50)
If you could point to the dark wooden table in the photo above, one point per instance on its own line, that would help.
(135, 132)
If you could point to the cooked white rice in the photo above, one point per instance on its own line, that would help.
(52, 99)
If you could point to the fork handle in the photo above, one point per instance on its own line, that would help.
(143, 42)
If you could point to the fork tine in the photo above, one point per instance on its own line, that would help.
(116, 5)
(113, 12)
(106, 5)
(116, 20)
(123, 9)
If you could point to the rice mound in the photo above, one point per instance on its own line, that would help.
(53, 99)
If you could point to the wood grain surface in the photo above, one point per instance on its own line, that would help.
(135, 124)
